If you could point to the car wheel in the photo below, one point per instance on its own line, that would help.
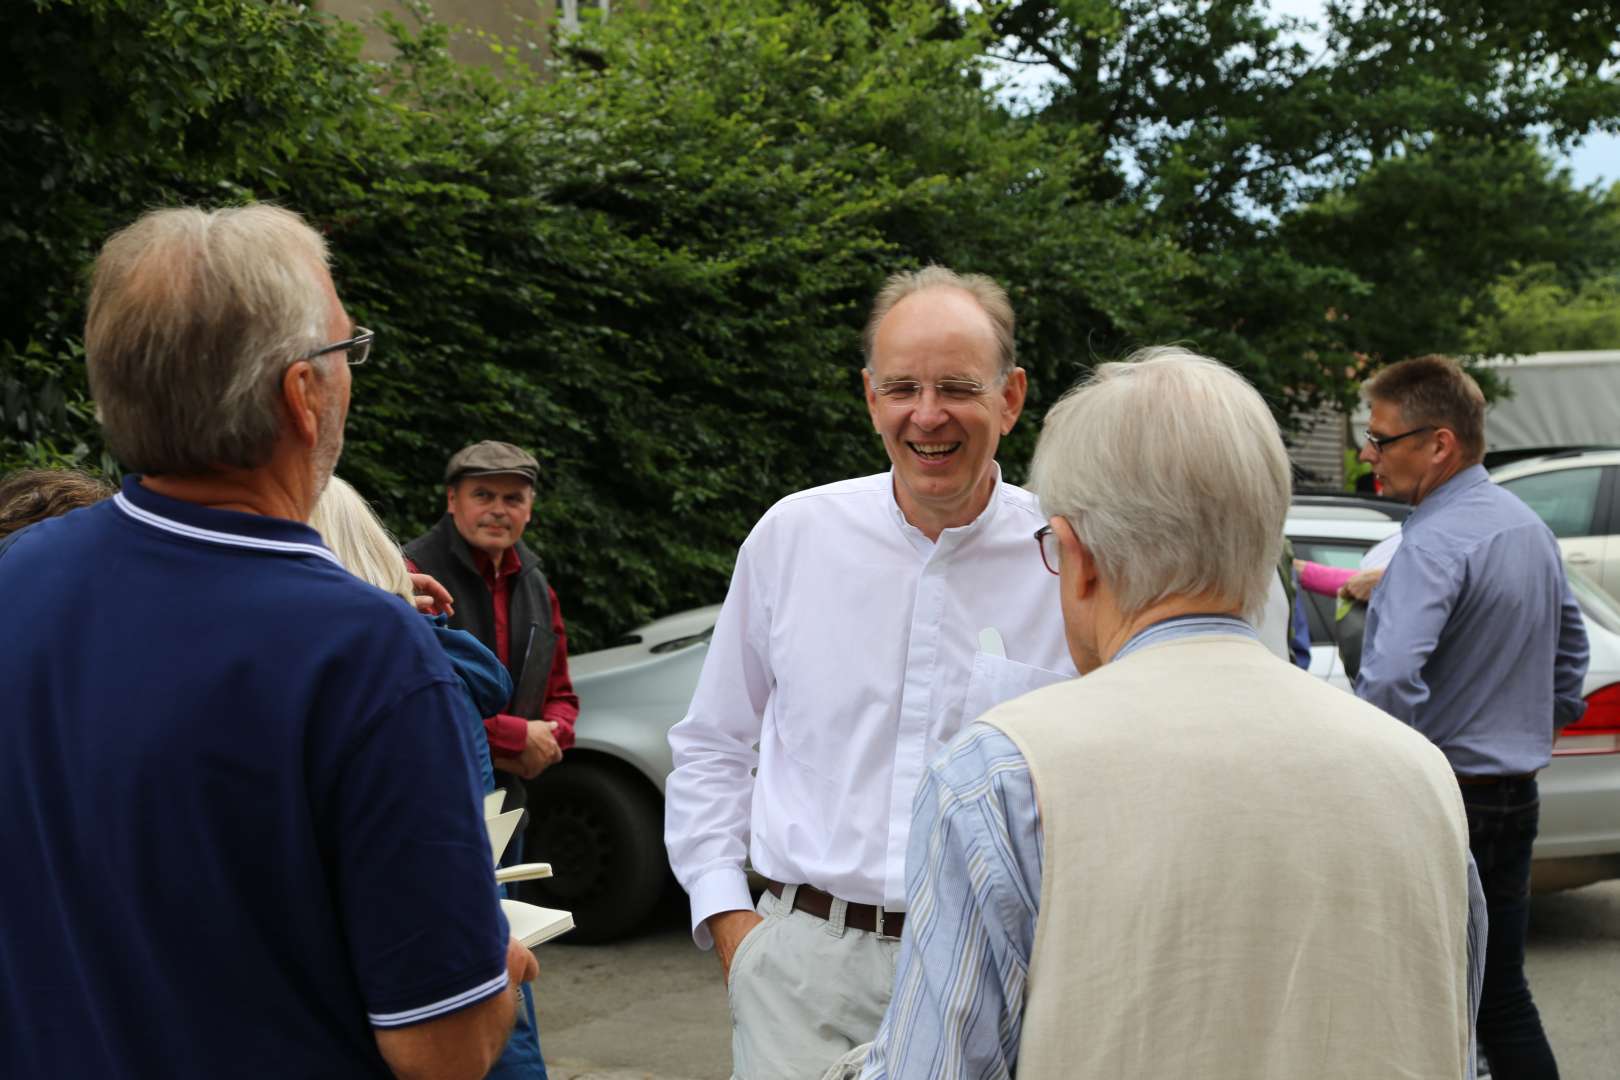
(600, 826)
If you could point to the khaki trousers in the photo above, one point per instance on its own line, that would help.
(804, 992)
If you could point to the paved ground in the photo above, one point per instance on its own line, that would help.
(653, 1008)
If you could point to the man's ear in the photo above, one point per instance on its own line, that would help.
(450, 497)
(300, 395)
(1080, 564)
(871, 399)
(1012, 398)
(1446, 446)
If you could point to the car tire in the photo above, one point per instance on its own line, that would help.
(600, 826)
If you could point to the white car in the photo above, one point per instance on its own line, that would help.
(1579, 838)
(1577, 493)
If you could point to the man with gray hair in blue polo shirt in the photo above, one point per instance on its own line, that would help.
(225, 761)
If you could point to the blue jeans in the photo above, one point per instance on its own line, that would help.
(521, 1059)
(1502, 820)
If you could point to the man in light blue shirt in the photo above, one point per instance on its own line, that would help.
(1474, 639)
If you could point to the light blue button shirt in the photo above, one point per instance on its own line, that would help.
(1473, 636)
(973, 882)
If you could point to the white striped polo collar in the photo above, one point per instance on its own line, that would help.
(215, 536)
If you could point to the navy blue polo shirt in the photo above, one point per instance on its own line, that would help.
(237, 827)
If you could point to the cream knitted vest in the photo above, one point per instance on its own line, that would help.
(1246, 874)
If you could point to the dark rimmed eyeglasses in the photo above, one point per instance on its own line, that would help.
(1378, 442)
(358, 347)
(1047, 541)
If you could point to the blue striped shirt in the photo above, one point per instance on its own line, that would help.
(973, 882)
(1473, 637)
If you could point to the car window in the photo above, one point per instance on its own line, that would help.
(1595, 603)
(1319, 610)
(1345, 554)
(1565, 499)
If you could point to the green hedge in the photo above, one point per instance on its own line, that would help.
(650, 268)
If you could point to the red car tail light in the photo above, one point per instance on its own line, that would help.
(1596, 732)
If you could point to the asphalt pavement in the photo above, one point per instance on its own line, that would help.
(653, 1007)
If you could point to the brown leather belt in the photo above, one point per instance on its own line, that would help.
(1476, 780)
(866, 917)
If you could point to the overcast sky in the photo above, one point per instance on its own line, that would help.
(1597, 160)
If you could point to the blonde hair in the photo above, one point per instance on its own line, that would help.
(31, 495)
(1172, 472)
(194, 316)
(348, 526)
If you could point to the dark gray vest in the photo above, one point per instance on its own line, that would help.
(442, 552)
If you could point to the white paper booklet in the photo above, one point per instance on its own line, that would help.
(501, 827)
(532, 924)
(528, 871)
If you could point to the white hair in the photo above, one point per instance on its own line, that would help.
(348, 526)
(1173, 474)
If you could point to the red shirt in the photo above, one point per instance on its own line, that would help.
(508, 733)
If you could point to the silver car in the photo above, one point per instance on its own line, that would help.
(598, 815)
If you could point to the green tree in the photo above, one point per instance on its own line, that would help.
(1536, 311)
(1283, 155)
(108, 107)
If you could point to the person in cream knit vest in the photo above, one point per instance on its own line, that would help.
(1196, 859)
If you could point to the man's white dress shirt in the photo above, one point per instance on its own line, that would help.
(844, 653)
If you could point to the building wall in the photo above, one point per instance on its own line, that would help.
(1317, 449)
(513, 21)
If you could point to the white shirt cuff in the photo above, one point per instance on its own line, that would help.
(718, 890)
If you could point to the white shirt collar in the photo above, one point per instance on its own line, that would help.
(957, 533)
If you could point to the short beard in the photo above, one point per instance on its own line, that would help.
(328, 447)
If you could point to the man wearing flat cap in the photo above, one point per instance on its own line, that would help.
(502, 598)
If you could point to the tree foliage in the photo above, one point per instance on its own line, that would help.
(1351, 187)
(1536, 311)
(651, 264)
(651, 268)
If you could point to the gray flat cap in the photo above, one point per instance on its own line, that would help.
(489, 457)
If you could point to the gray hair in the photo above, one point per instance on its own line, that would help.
(194, 316)
(349, 527)
(1172, 472)
(991, 298)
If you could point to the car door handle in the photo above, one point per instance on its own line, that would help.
(1580, 558)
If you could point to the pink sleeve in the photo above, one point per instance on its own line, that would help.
(1326, 580)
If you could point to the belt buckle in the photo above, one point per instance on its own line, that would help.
(877, 928)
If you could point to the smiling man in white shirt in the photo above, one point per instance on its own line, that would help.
(847, 653)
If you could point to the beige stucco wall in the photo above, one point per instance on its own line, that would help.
(503, 18)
